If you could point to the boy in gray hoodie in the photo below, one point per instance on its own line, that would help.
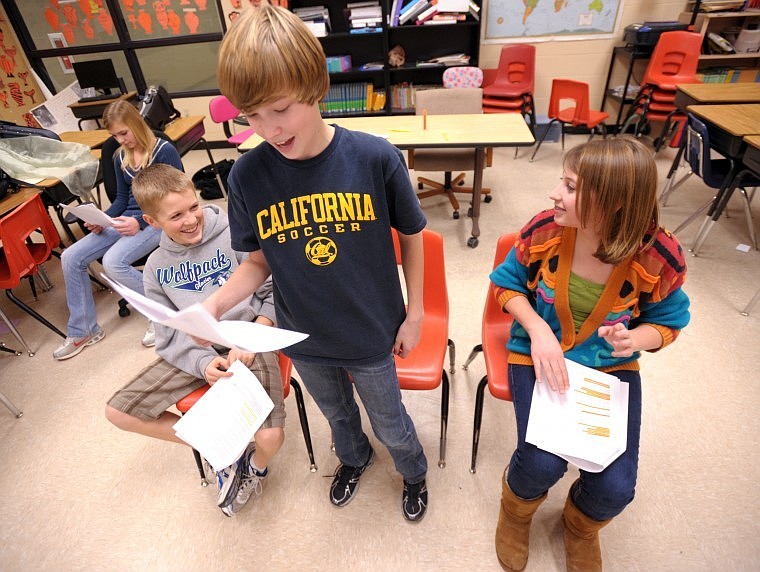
(194, 259)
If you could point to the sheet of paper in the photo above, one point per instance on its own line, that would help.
(222, 422)
(90, 213)
(587, 425)
(196, 321)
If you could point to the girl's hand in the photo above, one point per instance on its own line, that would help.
(548, 359)
(126, 225)
(619, 337)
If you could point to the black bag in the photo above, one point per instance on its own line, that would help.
(205, 179)
(157, 107)
(7, 184)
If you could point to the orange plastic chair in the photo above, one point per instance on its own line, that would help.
(576, 114)
(21, 257)
(494, 336)
(674, 61)
(424, 369)
(286, 366)
(222, 111)
(512, 89)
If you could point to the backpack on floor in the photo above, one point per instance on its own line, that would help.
(205, 179)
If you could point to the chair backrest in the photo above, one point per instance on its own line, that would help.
(674, 60)
(221, 109)
(575, 92)
(495, 329)
(9, 130)
(462, 76)
(15, 228)
(517, 68)
(698, 152)
(423, 367)
(454, 101)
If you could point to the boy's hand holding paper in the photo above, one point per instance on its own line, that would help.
(222, 422)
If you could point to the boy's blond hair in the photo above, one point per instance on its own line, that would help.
(121, 111)
(267, 54)
(617, 194)
(152, 184)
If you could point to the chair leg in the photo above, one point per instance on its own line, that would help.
(17, 413)
(16, 333)
(222, 187)
(748, 215)
(452, 356)
(543, 136)
(444, 417)
(475, 351)
(478, 417)
(32, 313)
(201, 471)
(751, 304)
(304, 423)
(6, 349)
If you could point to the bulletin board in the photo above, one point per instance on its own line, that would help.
(19, 90)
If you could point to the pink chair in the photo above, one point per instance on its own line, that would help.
(222, 111)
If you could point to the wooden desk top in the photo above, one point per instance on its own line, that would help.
(722, 92)
(102, 102)
(180, 126)
(736, 119)
(406, 131)
(12, 200)
(93, 138)
(753, 140)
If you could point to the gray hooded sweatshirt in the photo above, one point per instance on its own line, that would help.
(178, 276)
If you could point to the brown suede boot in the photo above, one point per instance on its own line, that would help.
(581, 534)
(513, 530)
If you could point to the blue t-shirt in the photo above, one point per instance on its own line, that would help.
(323, 225)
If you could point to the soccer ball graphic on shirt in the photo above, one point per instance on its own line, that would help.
(321, 251)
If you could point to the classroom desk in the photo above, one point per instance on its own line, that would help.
(12, 200)
(94, 109)
(93, 138)
(727, 126)
(716, 93)
(476, 131)
(751, 160)
(187, 133)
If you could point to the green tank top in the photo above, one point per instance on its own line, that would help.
(583, 295)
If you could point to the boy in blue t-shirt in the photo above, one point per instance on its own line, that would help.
(314, 205)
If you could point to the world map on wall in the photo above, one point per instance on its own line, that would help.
(532, 18)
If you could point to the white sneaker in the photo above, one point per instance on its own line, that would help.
(149, 339)
(73, 346)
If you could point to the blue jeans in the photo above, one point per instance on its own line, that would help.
(332, 388)
(118, 253)
(533, 471)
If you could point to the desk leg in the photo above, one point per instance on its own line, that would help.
(477, 186)
(719, 205)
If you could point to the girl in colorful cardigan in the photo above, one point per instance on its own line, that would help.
(595, 280)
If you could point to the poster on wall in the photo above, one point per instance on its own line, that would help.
(58, 41)
(545, 20)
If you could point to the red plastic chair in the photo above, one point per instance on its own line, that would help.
(576, 114)
(512, 89)
(21, 257)
(674, 61)
(424, 369)
(286, 366)
(222, 111)
(494, 336)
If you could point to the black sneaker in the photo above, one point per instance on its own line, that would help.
(346, 481)
(414, 501)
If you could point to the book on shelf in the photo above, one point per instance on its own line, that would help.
(316, 18)
(372, 66)
(587, 425)
(352, 97)
(458, 59)
(474, 10)
(413, 11)
(368, 16)
(428, 12)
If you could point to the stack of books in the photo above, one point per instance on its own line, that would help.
(403, 95)
(458, 59)
(348, 98)
(337, 64)
(429, 12)
(316, 18)
(364, 17)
